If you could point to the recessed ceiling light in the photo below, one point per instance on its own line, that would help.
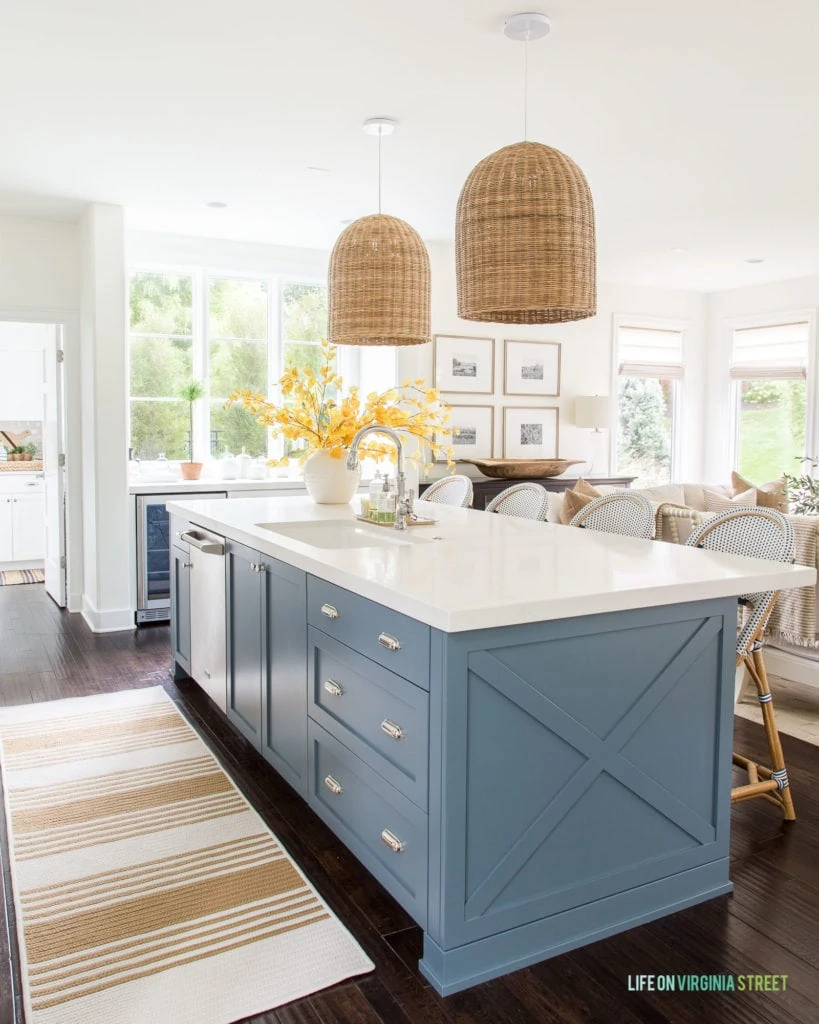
(346, 222)
(216, 205)
(679, 248)
(318, 170)
(755, 259)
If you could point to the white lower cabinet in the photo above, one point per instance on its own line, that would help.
(22, 527)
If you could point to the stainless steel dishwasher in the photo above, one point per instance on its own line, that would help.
(207, 583)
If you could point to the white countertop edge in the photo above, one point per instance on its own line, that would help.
(212, 486)
(757, 578)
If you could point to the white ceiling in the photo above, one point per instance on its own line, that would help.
(694, 122)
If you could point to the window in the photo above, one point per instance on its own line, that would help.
(161, 361)
(238, 357)
(234, 332)
(649, 376)
(769, 374)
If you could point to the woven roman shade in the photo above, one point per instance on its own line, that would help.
(524, 239)
(379, 284)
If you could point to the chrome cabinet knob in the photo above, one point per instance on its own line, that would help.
(395, 732)
(391, 643)
(391, 839)
(332, 687)
(333, 785)
(330, 611)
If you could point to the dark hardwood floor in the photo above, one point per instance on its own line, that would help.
(770, 925)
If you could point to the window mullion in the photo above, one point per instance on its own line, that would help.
(201, 422)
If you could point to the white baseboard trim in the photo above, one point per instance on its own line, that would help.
(792, 666)
(113, 621)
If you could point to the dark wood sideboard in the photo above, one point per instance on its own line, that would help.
(485, 488)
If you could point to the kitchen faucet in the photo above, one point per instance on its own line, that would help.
(403, 506)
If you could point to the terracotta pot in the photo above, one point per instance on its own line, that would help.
(191, 470)
(328, 481)
(27, 457)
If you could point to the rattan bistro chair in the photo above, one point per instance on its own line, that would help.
(630, 515)
(758, 533)
(451, 490)
(526, 501)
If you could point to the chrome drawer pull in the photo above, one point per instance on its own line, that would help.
(254, 567)
(329, 611)
(332, 687)
(395, 732)
(333, 785)
(390, 642)
(391, 839)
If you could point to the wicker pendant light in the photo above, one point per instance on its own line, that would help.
(379, 277)
(524, 231)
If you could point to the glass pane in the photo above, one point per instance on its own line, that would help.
(161, 304)
(160, 366)
(238, 365)
(304, 312)
(237, 308)
(303, 355)
(160, 427)
(233, 429)
(771, 427)
(646, 407)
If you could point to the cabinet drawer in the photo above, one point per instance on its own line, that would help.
(178, 527)
(381, 717)
(387, 832)
(395, 641)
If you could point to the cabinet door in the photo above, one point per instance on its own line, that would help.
(28, 516)
(284, 736)
(6, 537)
(243, 605)
(181, 606)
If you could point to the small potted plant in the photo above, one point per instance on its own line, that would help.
(29, 452)
(16, 454)
(191, 392)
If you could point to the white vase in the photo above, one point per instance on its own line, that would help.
(328, 481)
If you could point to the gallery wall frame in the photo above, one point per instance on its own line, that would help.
(531, 432)
(463, 364)
(476, 424)
(531, 368)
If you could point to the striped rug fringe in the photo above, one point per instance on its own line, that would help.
(13, 577)
(145, 886)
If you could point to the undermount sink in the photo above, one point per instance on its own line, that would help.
(342, 533)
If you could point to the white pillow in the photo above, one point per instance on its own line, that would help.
(675, 493)
(554, 506)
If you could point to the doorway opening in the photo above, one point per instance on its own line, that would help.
(32, 456)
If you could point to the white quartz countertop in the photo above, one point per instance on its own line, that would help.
(474, 570)
(166, 486)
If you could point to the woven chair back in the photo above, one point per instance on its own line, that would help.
(526, 501)
(452, 490)
(630, 515)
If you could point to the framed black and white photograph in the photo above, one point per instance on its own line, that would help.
(472, 432)
(465, 365)
(531, 368)
(530, 433)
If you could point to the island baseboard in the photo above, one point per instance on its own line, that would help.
(450, 971)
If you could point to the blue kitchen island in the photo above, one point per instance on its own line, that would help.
(522, 730)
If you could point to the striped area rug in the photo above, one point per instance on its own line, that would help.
(146, 887)
(13, 577)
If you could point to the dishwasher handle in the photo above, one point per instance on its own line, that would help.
(206, 545)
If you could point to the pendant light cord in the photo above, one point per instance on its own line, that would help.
(380, 134)
(526, 89)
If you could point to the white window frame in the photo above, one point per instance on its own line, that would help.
(776, 319)
(349, 357)
(662, 371)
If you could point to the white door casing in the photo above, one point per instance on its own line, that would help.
(53, 455)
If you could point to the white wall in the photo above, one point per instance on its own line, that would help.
(223, 254)
(39, 264)
(586, 357)
(106, 533)
(781, 297)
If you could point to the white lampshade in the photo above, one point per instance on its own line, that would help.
(592, 411)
